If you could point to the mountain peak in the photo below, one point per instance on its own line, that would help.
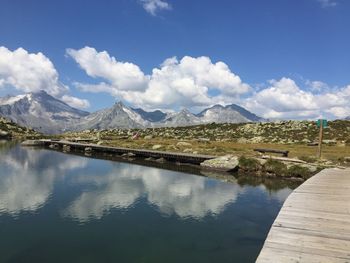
(185, 111)
(46, 113)
(119, 104)
(39, 93)
(40, 111)
(230, 114)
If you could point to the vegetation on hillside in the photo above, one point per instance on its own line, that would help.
(11, 130)
(240, 139)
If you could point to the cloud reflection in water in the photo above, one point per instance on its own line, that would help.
(27, 178)
(173, 193)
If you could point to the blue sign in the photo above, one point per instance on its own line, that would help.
(323, 121)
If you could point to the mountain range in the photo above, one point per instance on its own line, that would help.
(47, 114)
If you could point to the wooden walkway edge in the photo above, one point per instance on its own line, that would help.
(314, 222)
(173, 156)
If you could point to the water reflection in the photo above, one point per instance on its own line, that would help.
(170, 192)
(27, 178)
(67, 208)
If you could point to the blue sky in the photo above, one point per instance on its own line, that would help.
(279, 47)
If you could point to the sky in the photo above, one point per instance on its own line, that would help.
(281, 59)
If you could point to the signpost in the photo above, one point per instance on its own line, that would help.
(321, 123)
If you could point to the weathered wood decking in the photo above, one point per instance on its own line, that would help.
(172, 156)
(314, 222)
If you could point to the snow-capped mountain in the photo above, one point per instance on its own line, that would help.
(118, 116)
(230, 113)
(40, 111)
(49, 115)
(182, 118)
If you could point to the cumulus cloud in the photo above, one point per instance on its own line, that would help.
(22, 187)
(122, 75)
(284, 99)
(197, 82)
(189, 82)
(317, 85)
(76, 102)
(154, 6)
(30, 72)
(185, 196)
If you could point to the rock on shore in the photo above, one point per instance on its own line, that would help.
(225, 163)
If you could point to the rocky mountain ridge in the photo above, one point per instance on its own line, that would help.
(40, 111)
(47, 114)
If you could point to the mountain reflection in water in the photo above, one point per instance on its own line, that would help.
(184, 195)
(27, 177)
(57, 207)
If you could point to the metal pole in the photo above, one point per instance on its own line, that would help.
(319, 154)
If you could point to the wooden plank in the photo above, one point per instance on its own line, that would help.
(182, 157)
(314, 222)
(285, 255)
(283, 152)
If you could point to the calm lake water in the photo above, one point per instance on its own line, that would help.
(56, 207)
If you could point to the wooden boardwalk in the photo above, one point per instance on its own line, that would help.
(171, 156)
(314, 222)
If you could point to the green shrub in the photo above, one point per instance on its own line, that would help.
(308, 159)
(276, 167)
(249, 164)
(299, 171)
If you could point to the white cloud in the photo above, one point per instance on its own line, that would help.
(198, 82)
(122, 75)
(153, 6)
(327, 3)
(22, 188)
(284, 99)
(76, 102)
(316, 85)
(189, 82)
(185, 196)
(339, 112)
(30, 72)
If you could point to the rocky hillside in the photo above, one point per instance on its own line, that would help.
(40, 111)
(10, 130)
(282, 132)
(47, 114)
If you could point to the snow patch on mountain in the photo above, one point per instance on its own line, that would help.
(49, 115)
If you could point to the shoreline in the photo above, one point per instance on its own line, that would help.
(240, 177)
(263, 167)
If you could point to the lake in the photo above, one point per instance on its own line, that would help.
(57, 207)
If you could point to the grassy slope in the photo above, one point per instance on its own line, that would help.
(219, 139)
(15, 130)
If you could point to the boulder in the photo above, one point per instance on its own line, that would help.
(66, 148)
(160, 160)
(4, 134)
(171, 147)
(156, 147)
(188, 150)
(183, 144)
(88, 149)
(225, 163)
